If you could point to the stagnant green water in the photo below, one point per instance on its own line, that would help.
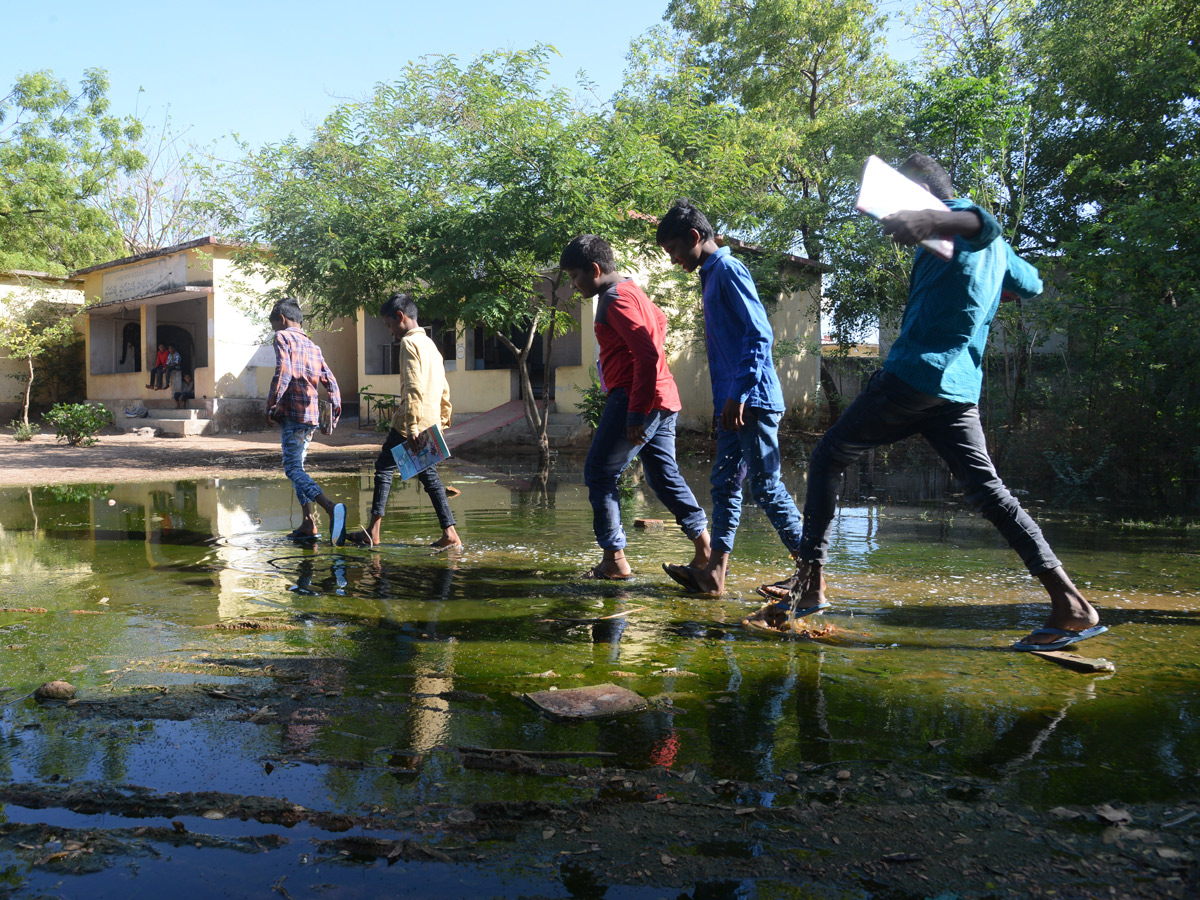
(926, 600)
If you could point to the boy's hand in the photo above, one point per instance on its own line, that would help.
(414, 444)
(731, 415)
(910, 226)
(636, 434)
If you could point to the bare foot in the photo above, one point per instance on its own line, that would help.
(1069, 609)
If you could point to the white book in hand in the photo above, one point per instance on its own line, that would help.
(885, 191)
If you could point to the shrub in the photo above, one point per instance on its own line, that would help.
(591, 406)
(23, 431)
(78, 423)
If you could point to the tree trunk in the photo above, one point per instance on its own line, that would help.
(537, 422)
(28, 391)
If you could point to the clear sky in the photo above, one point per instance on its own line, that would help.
(264, 68)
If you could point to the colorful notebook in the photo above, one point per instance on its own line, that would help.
(431, 450)
(885, 191)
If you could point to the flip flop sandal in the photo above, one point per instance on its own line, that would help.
(337, 525)
(780, 589)
(1065, 638)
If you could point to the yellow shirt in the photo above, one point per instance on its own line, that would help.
(425, 395)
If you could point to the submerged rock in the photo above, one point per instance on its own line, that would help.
(55, 690)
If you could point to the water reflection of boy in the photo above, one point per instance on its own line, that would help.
(640, 411)
(930, 385)
(293, 402)
(747, 395)
(424, 402)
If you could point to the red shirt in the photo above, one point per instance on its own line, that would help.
(161, 359)
(630, 331)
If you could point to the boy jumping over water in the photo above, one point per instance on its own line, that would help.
(930, 385)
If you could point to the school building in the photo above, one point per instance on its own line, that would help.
(193, 296)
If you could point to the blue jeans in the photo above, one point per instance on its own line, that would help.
(295, 437)
(611, 452)
(753, 452)
(385, 470)
(889, 410)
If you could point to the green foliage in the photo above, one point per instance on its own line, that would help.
(33, 324)
(58, 149)
(23, 431)
(77, 424)
(591, 406)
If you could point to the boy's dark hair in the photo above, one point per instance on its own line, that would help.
(289, 309)
(586, 250)
(681, 218)
(928, 170)
(398, 303)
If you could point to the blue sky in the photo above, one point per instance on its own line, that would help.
(267, 69)
(264, 69)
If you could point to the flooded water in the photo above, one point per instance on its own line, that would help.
(400, 655)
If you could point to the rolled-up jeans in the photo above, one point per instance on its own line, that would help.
(889, 410)
(612, 451)
(385, 469)
(294, 437)
(751, 452)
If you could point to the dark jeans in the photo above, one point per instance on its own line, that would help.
(889, 410)
(611, 452)
(385, 468)
(751, 452)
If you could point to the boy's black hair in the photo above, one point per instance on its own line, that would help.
(681, 218)
(586, 250)
(289, 309)
(398, 303)
(928, 170)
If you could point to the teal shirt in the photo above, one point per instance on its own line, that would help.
(951, 304)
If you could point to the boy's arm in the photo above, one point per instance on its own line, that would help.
(1020, 279)
(976, 226)
(740, 295)
(412, 370)
(628, 321)
(283, 374)
(331, 386)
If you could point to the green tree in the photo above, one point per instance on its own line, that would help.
(1116, 170)
(58, 149)
(461, 184)
(31, 325)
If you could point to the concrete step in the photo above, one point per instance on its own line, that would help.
(175, 414)
(180, 427)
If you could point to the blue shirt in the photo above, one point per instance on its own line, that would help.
(738, 336)
(951, 304)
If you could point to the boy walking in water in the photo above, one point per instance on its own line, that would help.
(293, 402)
(424, 402)
(930, 385)
(747, 396)
(640, 412)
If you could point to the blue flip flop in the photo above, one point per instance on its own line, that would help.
(1065, 638)
(801, 613)
(337, 525)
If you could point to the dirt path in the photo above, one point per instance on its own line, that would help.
(133, 457)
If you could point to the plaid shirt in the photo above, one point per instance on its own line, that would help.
(299, 368)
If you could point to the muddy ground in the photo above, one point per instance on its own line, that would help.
(141, 457)
(869, 827)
